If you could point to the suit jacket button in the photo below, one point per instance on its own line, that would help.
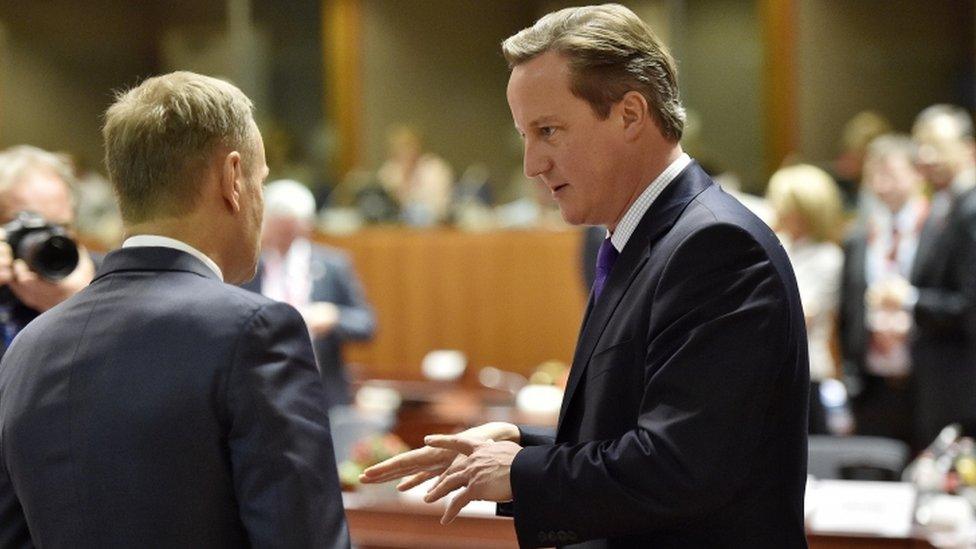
(542, 537)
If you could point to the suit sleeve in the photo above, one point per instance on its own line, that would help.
(356, 318)
(281, 451)
(719, 334)
(948, 310)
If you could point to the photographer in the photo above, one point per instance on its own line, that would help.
(36, 181)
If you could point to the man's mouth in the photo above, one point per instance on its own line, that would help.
(558, 188)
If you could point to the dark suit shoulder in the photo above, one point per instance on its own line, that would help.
(714, 215)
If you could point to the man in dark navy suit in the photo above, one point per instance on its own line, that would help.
(161, 406)
(684, 419)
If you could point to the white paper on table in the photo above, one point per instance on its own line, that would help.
(862, 507)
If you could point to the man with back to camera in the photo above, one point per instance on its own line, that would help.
(684, 419)
(161, 406)
(37, 181)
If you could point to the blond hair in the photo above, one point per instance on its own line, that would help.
(159, 134)
(812, 194)
(610, 52)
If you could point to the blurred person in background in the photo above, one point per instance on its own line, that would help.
(940, 292)
(421, 182)
(161, 406)
(317, 280)
(847, 169)
(882, 246)
(38, 181)
(808, 210)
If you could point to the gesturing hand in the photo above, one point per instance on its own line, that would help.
(482, 471)
(417, 466)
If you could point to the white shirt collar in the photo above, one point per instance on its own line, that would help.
(144, 240)
(636, 212)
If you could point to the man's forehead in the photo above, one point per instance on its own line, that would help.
(536, 88)
(43, 192)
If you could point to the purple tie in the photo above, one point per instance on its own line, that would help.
(604, 262)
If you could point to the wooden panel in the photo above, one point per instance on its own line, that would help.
(342, 47)
(507, 299)
(779, 83)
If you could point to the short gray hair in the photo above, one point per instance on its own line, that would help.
(289, 198)
(959, 116)
(610, 52)
(21, 160)
(892, 144)
(160, 133)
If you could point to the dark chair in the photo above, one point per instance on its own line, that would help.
(856, 457)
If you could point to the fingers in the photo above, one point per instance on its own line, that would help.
(22, 273)
(448, 482)
(457, 503)
(415, 480)
(6, 258)
(459, 444)
(408, 463)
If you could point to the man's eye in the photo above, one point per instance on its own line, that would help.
(547, 131)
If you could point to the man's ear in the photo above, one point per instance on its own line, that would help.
(634, 113)
(231, 177)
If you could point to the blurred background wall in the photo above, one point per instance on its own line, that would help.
(435, 64)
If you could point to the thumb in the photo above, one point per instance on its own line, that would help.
(455, 443)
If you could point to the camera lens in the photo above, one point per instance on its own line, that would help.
(52, 256)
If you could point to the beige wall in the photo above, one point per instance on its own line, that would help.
(57, 75)
(896, 56)
(719, 61)
(437, 64)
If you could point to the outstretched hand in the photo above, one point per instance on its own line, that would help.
(482, 471)
(418, 466)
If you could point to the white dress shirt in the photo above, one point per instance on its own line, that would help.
(628, 223)
(152, 240)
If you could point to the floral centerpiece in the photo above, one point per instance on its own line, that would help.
(366, 452)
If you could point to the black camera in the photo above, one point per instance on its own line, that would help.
(45, 247)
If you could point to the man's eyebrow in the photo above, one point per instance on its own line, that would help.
(543, 121)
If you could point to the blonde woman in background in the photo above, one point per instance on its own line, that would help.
(808, 210)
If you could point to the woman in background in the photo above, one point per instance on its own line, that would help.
(809, 210)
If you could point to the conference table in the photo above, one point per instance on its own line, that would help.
(388, 523)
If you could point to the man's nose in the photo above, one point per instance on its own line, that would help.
(535, 162)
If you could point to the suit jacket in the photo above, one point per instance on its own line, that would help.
(161, 407)
(944, 339)
(334, 281)
(685, 415)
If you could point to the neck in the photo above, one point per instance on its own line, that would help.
(201, 236)
(648, 168)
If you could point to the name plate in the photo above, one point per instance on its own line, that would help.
(860, 507)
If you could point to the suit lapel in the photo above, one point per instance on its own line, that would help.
(658, 219)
